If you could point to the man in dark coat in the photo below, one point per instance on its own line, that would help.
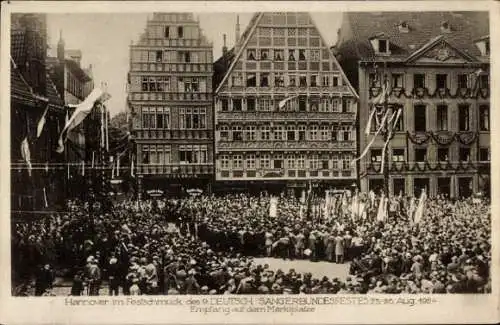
(44, 280)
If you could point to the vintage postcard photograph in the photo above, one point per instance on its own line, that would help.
(239, 162)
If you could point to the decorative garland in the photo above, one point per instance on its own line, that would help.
(420, 92)
(466, 137)
(419, 138)
(443, 138)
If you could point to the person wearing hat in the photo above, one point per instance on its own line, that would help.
(113, 276)
(93, 277)
(191, 284)
(134, 288)
(44, 280)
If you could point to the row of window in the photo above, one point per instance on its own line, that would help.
(442, 120)
(282, 18)
(188, 32)
(189, 118)
(278, 79)
(300, 104)
(201, 56)
(288, 133)
(286, 31)
(443, 185)
(171, 67)
(184, 84)
(76, 87)
(161, 154)
(265, 54)
(314, 162)
(463, 81)
(421, 155)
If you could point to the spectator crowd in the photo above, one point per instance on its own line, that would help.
(208, 245)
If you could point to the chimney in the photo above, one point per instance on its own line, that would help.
(60, 47)
(224, 47)
(237, 37)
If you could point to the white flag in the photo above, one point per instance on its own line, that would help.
(382, 209)
(283, 102)
(82, 110)
(26, 154)
(419, 213)
(41, 123)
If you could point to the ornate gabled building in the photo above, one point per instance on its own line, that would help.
(436, 68)
(170, 103)
(285, 112)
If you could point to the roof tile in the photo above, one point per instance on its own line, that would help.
(423, 26)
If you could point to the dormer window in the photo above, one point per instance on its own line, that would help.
(445, 27)
(483, 45)
(383, 46)
(403, 27)
(380, 44)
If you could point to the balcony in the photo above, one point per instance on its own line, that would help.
(346, 117)
(144, 134)
(175, 170)
(285, 145)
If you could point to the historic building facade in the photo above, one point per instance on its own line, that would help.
(36, 168)
(436, 68)
(284, 111)
(170, 104)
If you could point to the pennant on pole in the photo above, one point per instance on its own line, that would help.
(419, 213)
(395, 117)
(283, 102)
(41, 122)
(45, 198)
(82, 110)
(372, 140)
(118, 166)
(382, 212)
(369, 124)
(26, 154)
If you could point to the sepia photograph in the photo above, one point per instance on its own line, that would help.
(286, 152)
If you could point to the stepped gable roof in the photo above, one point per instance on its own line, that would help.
(234, 55)
(222, 65)
(466, 27)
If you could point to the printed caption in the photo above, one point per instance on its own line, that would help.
(264, 304)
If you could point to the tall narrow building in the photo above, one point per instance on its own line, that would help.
(170, 103)
(285, 113)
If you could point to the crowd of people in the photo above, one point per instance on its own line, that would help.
(209, 245)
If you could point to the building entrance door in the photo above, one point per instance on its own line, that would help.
(420, 184)
(465, 186)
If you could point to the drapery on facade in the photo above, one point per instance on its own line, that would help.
(437, 67)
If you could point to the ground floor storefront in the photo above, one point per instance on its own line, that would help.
(448, 184)
(286, 187)
(161, 186)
